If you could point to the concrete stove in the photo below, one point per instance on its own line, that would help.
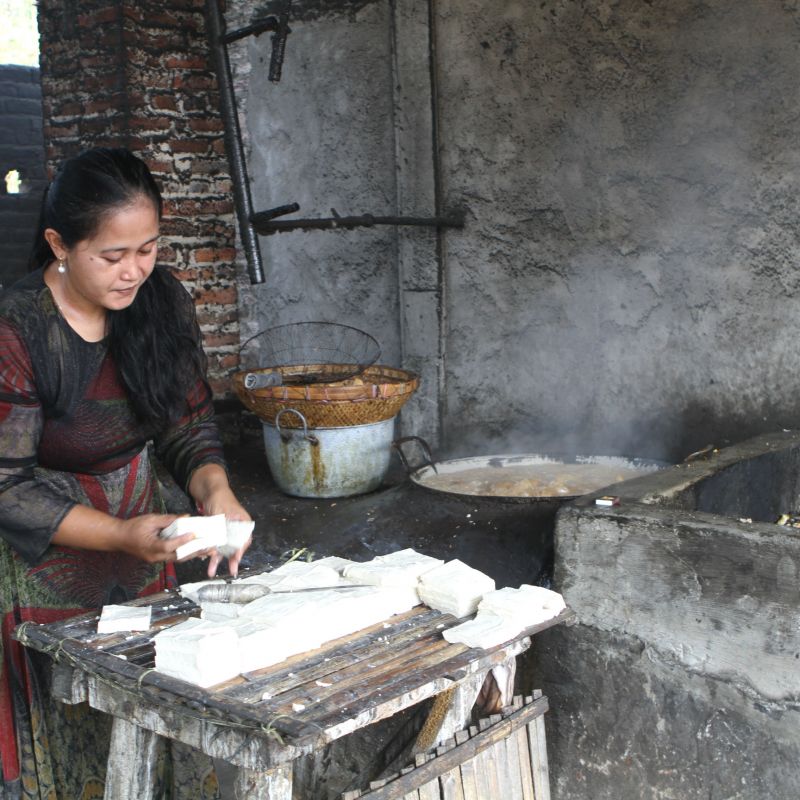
(682, 677)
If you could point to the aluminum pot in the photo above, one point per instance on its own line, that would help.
(327, 462)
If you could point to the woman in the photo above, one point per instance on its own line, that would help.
(99, 355)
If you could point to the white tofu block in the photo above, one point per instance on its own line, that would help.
(260, 645)
(526, 606)
(334, 562)
(485, 631)
(209, 532)
(402, 568)
(454, 588)
(219, 612)
(198, 651)
(238, 532)
(115, 619)
(296, 575)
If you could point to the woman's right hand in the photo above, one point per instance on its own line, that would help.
(90, 529)
(139, 536)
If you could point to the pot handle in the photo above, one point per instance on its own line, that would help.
(705, 453)
(285, 435)
(397, 444)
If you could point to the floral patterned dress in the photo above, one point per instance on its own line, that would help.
(69, 436)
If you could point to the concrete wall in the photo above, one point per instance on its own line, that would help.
(323, 137)
(626, 280)
(21, 149)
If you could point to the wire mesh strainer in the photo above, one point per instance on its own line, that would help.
(344, 351)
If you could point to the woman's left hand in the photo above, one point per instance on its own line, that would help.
(213, 495)
(223, 501)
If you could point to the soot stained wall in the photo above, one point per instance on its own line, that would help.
(626, 280)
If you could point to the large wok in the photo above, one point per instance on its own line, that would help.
(427, 473)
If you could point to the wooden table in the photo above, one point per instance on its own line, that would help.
(262, 721)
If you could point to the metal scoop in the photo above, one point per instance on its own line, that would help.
(242, 593)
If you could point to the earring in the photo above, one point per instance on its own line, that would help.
(62, 267)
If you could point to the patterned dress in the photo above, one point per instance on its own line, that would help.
(69, 436)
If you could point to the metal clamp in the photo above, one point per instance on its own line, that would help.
(397, 445)
(286, 436)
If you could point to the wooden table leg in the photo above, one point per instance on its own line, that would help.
(132, 762)
(273, 784)
(450, 713)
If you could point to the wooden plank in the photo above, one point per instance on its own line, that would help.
(469, 783)
(132, 762)
(513, 761)
(274, 784)
(503, 764)
(68, 684)
(356, 683)
(361, 647)
(244, 746)
(450, 781)
(481, 776)
(407, 689)
(466, 750)
(461, 704)
(524, 762)
(429, 790)
(538, 755)
(489, 763)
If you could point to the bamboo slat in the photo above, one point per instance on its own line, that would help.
(474, 754)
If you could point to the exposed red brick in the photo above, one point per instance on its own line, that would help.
(190, 146)
(216, 296)
(206, 125)
(220, 339)
(90, 20)
(186, 62)
(206, 255)
(165, 102)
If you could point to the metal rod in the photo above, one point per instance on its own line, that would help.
(254, 29)
(278, 211)
(441, 255)
(233, 142)
(267, 226)
(282, 30)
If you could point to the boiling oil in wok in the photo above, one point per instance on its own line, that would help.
(531, 480)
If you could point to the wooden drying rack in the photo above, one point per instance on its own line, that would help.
(261, 721)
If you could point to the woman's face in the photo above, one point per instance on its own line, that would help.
(107, 269)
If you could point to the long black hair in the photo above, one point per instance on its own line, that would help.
(155, 341)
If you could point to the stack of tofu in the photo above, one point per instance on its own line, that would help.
(233, 638)
(283, 623)
(504, 613)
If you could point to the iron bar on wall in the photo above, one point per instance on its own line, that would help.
(233, 142)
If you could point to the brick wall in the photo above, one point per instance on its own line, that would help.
(138, 74)
(21, 149)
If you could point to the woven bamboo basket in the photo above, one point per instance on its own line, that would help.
(377, 394)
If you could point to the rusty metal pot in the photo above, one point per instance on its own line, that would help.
(327, 462)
